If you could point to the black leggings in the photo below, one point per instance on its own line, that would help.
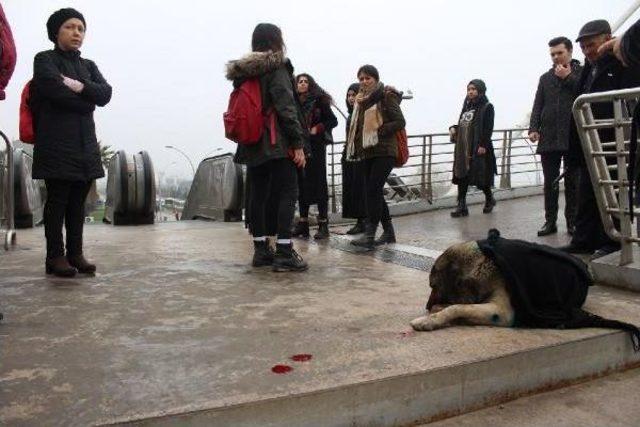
(377, 171)
(323, 209)
(274, 187)
(65, 204)
(463, 187)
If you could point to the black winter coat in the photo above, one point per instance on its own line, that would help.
(66, 146)
(551, 114)
(277, 87)
(606, 74)
(630, 45)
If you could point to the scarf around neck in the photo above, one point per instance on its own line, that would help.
(367, 104)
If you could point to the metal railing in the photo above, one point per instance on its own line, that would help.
(7, 214)
(612, 193)
(430, 163)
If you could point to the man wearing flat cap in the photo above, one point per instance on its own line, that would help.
(602, 72)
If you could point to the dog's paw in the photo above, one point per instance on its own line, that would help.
(425, 323)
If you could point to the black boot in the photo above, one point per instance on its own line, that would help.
(368, 240)
(81, 264)
(358, 227)
(461, 209)
(323, 230)
(301, 229)
(388, 233)
(262, 253)
(59, 266)
(489, 203)
(287, 259)
(549, 227)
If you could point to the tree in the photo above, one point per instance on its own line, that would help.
(105, 154)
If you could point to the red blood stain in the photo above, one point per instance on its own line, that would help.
(301, 357)
(281, 369)
(407, 334)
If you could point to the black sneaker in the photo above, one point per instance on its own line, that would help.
(489, 204)
(547, 229)
(263, 254)
(301, 229)
(323, 230)
(287, 259)
(357, 228)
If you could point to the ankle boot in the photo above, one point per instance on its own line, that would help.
(388, 233)
(287, 259)
(262, 253)
(323, 230)
(357, 228)
(301, 229)
(489, 203)
(368, 240)
(59, 266)
(81, 263)
(549, 227)
(461, 209)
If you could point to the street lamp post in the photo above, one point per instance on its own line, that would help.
(171, 147)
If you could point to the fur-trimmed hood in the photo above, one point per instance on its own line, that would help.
(255, 64)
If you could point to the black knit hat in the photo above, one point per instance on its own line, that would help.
(58, 18)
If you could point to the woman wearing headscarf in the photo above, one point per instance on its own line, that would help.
(372, 137)
(354, 201)
(474, 162)
(312, 180)
(65, 91)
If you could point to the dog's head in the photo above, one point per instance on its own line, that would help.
(456, 277)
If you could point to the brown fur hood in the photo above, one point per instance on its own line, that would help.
(255, 64)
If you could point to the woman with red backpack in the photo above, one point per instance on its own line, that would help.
(65, 91)
(312, 183)
(372, 137)
(272, 161)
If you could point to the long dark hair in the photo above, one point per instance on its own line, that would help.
(354, 87)
(314, 89)
(267, 37)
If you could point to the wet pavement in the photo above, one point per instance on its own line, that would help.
(177, 322)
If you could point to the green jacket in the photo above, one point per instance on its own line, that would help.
(277, 85)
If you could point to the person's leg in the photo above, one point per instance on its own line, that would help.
(54, 211)
(302, 227)
(323, 219)
(260, 196)
(489, 201)
(550, 170)
(285, 184)
(571, 181)
(74, 224)
(461, 210)
(587, 217)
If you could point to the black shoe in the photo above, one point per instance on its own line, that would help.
(287, 259)
(461, 210)
(547, 229)
(301, 229)
(357, 228)
(81, 264)
(605, 250)
(368, 239)
(323, 230)
(262, 253)
(388, 234)
(59, 266)
(489, 203)
(575, 249)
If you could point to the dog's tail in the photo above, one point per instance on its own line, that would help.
(584, 319)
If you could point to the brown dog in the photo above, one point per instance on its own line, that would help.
(466, 287)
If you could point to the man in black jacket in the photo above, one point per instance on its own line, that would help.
(601, 73)
(549, 126)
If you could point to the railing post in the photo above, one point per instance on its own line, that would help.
(505, 167)
(334, 208)
(429, 164)
(423, 182)
(509, 145)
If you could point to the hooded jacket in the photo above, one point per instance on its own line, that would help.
(66, 146)
(277, 86)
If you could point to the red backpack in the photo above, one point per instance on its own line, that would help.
(244, 121)
(7, 53)
(26, 116)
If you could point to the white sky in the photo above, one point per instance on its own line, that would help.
(165, 58)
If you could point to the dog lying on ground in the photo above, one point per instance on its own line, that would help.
(466, 287)
(511, 283)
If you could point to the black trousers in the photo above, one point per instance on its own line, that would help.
(463, 188)
(589, 232)
(64, 205)
(274, 188)
(551, 170)
(377, 171)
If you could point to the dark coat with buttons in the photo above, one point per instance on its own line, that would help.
(551, 114)
(66, 146)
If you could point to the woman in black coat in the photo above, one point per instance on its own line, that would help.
(354, 200)
(65, 91)
(474, 162)
(312, 180)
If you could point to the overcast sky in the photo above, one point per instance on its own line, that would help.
(165, 59)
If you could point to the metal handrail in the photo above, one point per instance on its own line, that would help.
(429, 154)
(612, 195)
(10, 230)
